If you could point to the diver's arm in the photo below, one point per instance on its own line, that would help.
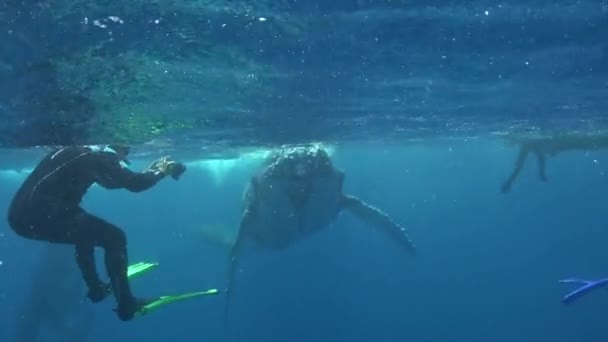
(110, 174)
(376, 218)
(519, 163)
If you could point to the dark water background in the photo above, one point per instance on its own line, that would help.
(487, 269)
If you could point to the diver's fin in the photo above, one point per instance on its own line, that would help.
(164, 300)
(587, 286)
(140, 268)
(574, 281)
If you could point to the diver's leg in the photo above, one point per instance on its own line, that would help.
(519, 163)
(541, 165)
(69, 228)
(38, 223)
(85, 258)
(93, 231)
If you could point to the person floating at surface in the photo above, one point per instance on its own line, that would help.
(551, 145)
(298, 193)
(47, 207)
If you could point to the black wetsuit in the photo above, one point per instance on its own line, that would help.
(47, 207)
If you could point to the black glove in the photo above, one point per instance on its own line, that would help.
(157, 165)
(168, 167)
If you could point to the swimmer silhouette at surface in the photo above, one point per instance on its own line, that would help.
(550, 145)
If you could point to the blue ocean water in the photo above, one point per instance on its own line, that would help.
(487, 267)
(413, 98)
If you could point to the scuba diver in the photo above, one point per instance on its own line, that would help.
(47, 208)
(551, 145)
(298, 193)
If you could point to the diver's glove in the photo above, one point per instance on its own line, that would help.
(158, 165)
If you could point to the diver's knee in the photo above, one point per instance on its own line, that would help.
(115, 238)
(22, 224)
(120, 237)
(19, 218)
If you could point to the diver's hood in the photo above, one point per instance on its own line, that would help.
(108, 149)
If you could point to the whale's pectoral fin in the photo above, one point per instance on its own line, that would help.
(378, 219)
(218, 235)
(235, 253)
